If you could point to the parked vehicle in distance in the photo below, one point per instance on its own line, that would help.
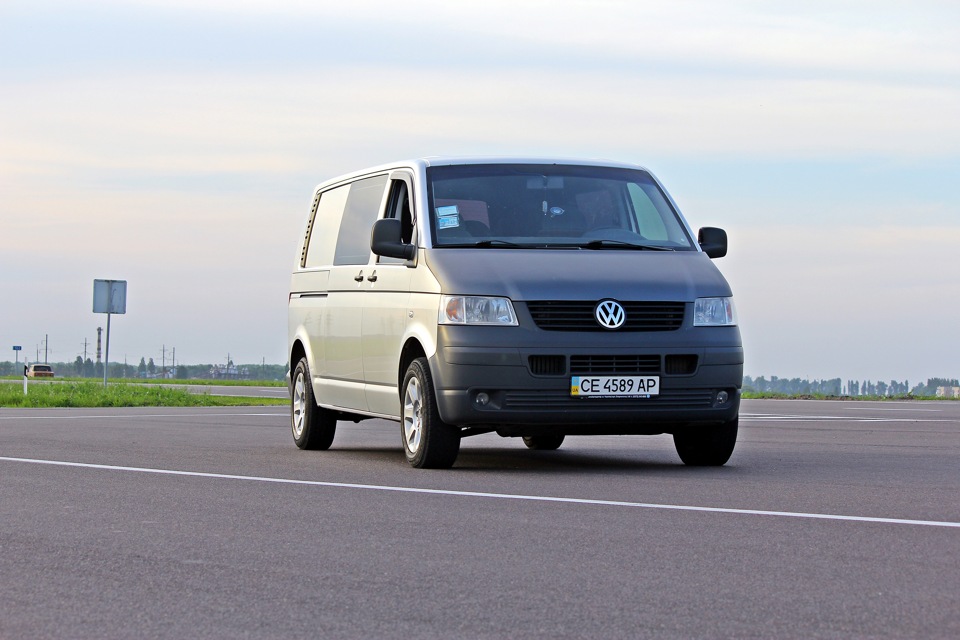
(534, 298)
(39, 371)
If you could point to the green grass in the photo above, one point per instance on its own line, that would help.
(191, 381)
(93, 394)
(199, 382)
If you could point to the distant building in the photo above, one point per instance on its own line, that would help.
(948, 392)
(229, 372)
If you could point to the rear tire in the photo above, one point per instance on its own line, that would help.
(428, 442)
(549, 442)
(707, 446)
(313, 427)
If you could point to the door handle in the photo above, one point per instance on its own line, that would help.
(359, 277)
(372, 277)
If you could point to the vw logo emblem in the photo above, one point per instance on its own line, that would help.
(610, 314)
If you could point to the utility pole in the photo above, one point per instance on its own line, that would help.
(163, 362)
(46, 347)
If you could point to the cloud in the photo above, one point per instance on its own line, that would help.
(880, 37)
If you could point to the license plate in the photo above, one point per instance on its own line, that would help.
(614, 386)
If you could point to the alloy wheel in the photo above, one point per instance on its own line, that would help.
(299, 406)
(412, 415)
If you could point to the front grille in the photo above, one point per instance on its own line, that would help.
(548, 365)
(668, 398)
(614, 364)
(577, 315)
(680, 364)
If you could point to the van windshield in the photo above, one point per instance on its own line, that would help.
(563, 206)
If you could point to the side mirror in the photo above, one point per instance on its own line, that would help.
(713, 241)
(385, 240)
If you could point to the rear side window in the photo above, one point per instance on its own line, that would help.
(360, 212)
(340, 230)
(323, 229)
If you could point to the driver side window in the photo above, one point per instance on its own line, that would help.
(399, 207)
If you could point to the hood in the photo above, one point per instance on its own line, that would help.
(572, 274)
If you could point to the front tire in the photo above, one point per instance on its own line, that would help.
(313, 427)
(707, 446)
(428, 442)
(543, 442)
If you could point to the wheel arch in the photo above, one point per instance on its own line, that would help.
(297, 351)
(412, 349)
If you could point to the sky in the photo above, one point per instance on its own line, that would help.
(175, 144)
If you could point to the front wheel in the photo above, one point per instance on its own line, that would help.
(313, 427)
(428, 441)
(707, 446)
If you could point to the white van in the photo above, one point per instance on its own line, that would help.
(534, 298)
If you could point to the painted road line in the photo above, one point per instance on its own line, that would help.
(497, 496)
(779, 417)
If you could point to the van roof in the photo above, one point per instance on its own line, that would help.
(435, 161)
(448, 160)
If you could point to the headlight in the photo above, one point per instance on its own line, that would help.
(714, 312)
(476, 310)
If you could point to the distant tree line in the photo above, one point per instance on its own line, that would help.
(879, 388)
(851, 388)
(930, 388)
(147, 368)
(793, 386)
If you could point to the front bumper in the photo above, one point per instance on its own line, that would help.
(522, 399)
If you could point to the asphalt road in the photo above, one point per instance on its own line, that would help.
(832, 520)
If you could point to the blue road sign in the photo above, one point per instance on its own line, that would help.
(16, 347)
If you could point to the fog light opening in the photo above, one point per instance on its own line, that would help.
(482, 399)
(722, 397)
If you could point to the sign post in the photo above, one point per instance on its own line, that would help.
(16, 350)
(109, 297)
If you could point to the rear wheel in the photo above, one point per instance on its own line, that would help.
(544, 442)
(313, 427)
(428, 442)
(707, 446)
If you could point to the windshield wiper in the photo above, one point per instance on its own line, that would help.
(496, 243)
(620, 244)
(484, 244)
